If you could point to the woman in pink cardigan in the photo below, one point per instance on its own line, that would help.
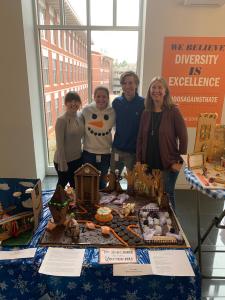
(162, 136)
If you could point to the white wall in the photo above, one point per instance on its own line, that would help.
(35, 97)
(19, 156)
(172, 18)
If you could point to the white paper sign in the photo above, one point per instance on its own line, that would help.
(16, 254)
(170, 263)
(62, 262)
(132, 269)
(117, 256)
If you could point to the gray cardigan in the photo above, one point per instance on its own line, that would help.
(69, 130)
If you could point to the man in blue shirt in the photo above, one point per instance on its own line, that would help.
(128, 108)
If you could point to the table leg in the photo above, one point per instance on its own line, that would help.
(215, 222)
(199, 247)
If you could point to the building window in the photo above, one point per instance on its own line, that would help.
(71, 72)
(42, 17)
(63, 104)
(57, 107)
(54, 70)
(52, 34)
(59, 39)
(69, 43)
(45, 70)
(66, 72)
(48, 111)
(61, 71)
(65, 40)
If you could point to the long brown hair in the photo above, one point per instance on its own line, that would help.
(167, 101)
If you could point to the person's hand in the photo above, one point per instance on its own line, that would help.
(176, 167)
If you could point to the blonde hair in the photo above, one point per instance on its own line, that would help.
(167, 101)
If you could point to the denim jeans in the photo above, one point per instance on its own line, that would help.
(170, 178)
(121, 159)
(68, 176)
(102, 165)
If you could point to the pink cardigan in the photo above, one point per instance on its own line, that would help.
(172, 129)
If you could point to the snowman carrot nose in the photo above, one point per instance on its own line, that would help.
(98, 124)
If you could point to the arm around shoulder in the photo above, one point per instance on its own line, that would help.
(60, 128)
(140, 139)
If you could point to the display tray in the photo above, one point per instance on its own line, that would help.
(214, 177)
(124, 231)
(160, 227)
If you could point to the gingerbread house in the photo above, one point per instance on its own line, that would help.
(217, 147)
(205, 133)
(87, 183)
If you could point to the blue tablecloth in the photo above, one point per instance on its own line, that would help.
(19, 279)
(195, 183)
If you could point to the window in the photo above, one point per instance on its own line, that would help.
(42, 18)
(59, 39)
(91, 49)
(52, 34)
(54, 70)
(65, 40)
(71, 72)
(57, 106)
(66, 72)
(48, 111)
(63, 101)
(106, 18)
(61, 71)
(45, 70)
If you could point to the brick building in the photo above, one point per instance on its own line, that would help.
(102, 67)
(64, 64)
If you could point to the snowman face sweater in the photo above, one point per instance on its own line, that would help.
(98, 125)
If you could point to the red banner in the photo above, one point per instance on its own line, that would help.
(194, 68)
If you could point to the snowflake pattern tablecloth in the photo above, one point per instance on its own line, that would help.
(19, 279)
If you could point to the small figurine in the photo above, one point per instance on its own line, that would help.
(204, 171)
(127, 209)
(222, 162)
(90, 225)
(164, 203)
(113, 182)
(118, 187)
(72, 228)
(17, 194)
(105, 230)
(71, 195)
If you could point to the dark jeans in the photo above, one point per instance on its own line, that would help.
(170, 178)
(68, 176)
(121, 159)
(102, 165)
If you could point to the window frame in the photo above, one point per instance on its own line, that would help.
(88, 28)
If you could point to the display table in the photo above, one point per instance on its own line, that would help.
(215, 194)
(20, 278)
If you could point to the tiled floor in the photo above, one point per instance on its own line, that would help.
(212, 263)
(186, 207)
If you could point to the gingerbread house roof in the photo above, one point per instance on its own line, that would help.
(87, 170)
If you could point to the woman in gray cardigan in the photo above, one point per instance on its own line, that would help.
(162, 136)
(69, 130)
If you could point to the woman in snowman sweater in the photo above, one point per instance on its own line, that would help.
(99, 118)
